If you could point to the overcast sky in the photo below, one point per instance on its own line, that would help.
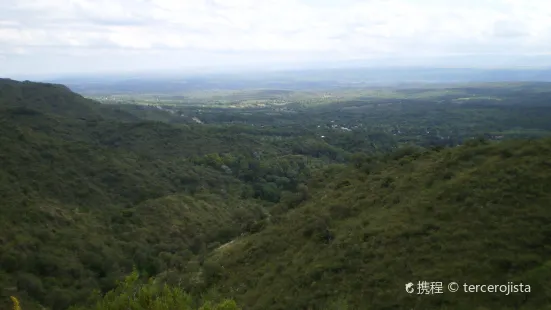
(60, 36)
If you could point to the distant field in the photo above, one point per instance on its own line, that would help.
(246, 98)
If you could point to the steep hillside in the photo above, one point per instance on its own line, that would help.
(55, 99)
(78, 212)
(476, 214)
(76, 217)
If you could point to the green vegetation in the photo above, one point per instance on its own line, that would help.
(130, 294)
(427, 115)
(83, 202)
(475, 214)
(313, 208)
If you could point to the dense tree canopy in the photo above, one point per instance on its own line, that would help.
(322, 207)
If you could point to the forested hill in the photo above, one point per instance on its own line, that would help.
(84, 197)
(88, 192)
(55, 99)
(275, 217)
(476, 214)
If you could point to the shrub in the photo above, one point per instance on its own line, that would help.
(130, 294)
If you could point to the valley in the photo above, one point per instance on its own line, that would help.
(263, 197)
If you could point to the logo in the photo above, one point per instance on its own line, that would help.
(409, 288)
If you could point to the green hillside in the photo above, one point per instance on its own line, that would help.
(476, 214)
(75, 217)
(55, 99)
(79, 212)
(273, 217)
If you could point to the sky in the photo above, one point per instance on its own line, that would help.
(89, 36)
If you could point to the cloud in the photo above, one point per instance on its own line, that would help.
(510, 29)
(292, 29)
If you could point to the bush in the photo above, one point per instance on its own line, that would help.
(130, 294)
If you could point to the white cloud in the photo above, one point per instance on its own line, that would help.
(238, 30)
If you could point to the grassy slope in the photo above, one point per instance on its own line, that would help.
(477, 214)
